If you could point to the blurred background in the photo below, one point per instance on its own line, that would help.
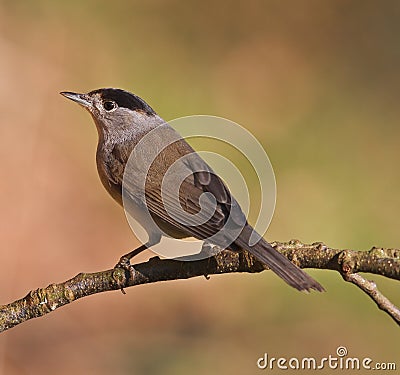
(317, 82)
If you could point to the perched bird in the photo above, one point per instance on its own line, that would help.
(201, 206)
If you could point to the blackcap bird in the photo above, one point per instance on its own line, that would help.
(201, 206)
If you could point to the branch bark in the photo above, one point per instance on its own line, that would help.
(348, 263)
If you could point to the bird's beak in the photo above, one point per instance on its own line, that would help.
(82, 99)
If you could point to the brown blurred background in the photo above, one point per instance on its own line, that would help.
(316, 81)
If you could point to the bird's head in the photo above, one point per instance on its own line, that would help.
(116, 112)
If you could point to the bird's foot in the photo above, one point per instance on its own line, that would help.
(125, 264)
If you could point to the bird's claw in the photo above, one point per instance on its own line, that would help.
(126, 265)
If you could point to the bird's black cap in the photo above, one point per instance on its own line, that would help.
(124, 99)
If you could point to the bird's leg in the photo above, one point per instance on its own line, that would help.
(125, 264)
(127, 257)
(124, 261)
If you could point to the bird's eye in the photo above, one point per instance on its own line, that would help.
(109, 106)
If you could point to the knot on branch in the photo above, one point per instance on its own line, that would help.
(346, 261)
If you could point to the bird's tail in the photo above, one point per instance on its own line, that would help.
(278, 263)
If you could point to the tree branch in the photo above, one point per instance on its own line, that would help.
(370, 288)
(385, 262)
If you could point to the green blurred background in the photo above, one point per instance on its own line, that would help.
(316, 81)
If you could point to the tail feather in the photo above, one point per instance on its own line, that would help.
(281, 265)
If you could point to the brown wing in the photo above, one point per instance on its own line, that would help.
(205, 206)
